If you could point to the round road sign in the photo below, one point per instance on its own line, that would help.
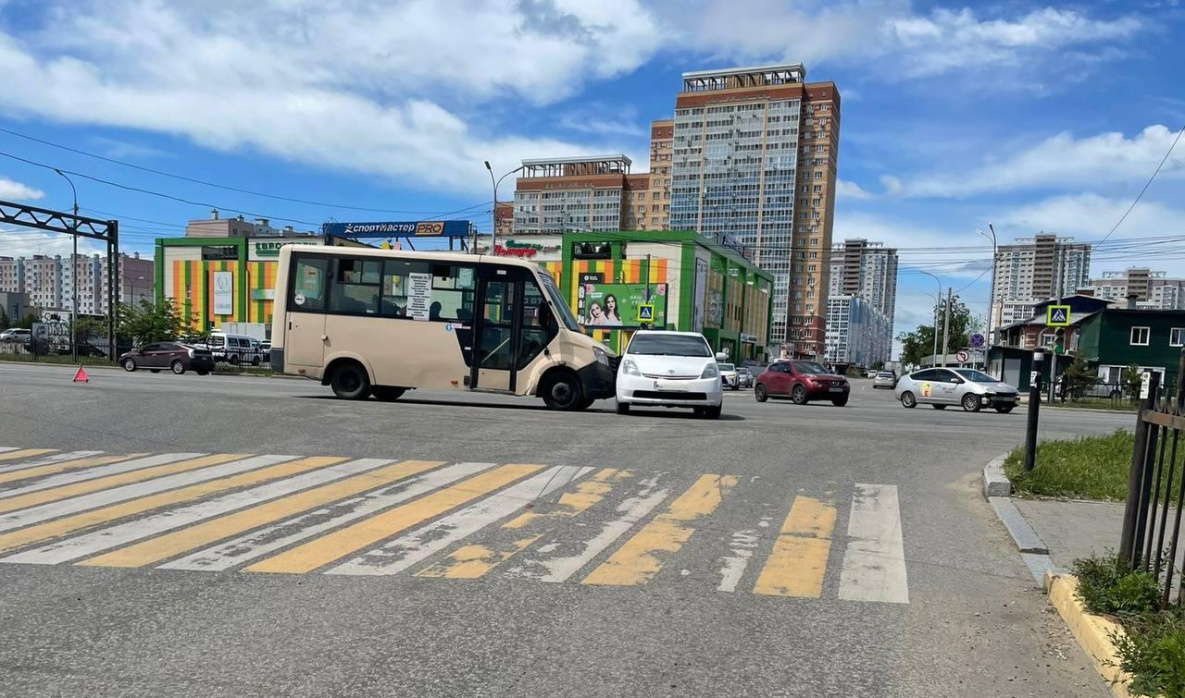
(963, 357)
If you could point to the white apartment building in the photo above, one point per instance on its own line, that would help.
(857, 332)
(1033, 270)
(49, 282)
(868, 270)
(1153, 290)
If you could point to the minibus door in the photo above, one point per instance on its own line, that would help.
(497, 329)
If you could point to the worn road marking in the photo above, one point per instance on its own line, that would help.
(173, 544)
(73, 464)
(121, 466)
(44, 505)
(408, 550)
(280, 535)
(474, 561)
(740, 551)
(874, 563)
(638, 560)
(799, 558)
(60, 527)
(339, 544)
(33, 452)
(6, 449)
(114, 536)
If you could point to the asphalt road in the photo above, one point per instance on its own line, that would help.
(786, 550)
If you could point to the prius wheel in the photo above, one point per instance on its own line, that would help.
(971, 402)
(798, 395)
(908, 401)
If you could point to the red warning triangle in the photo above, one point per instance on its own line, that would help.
(80, 375)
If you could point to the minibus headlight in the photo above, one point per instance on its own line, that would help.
(601, 356)
(629, 368)
(711, 371)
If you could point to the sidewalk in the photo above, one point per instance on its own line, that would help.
(1076, 529)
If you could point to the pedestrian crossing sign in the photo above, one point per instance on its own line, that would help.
(645, 312)
(1057, 316)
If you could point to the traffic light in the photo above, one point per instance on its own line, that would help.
(1059, 340)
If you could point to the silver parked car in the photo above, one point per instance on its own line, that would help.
(884, 379)
(955, 386)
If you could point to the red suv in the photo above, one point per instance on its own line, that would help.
(801, 381)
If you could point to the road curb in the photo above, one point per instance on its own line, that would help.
(1033, 551)
(1094, 633)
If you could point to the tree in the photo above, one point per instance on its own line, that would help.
(1078, 378)
(89, 326)
(1132, 381)
(919, 344)
(26, 323)
(151, 321)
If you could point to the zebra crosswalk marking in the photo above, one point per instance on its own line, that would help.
(73, 464)
(474, 561)
(874, 562)
(33, 452)
(799, 558)
(404, 552)
(202, 534)
(120, 466)
(260, 542)
(57, 528)
(346, 541)
(637, 561)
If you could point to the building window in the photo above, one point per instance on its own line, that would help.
(1177, 337)
(1140, 336)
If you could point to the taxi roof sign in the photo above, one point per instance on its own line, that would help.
(1057, 316)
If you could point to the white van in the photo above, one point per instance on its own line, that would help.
(235, 348)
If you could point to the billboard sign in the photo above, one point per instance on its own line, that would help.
(448, 229)
(265, 250)
(224, 293)
(619, 305)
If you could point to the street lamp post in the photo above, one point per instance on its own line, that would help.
(992, 293)
(494, 217)
(74, 272)
(937, 300)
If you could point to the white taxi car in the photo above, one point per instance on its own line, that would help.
(669, 369)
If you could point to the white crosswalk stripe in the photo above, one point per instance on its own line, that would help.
(94, 473)
(48, 460)
(874, 562)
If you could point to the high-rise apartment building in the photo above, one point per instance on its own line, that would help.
(580, 194)
(1033, 270)
(49, 282)
(858, 333)
(868, 270)
(662, 134)
(1152, 290)
(753, 162)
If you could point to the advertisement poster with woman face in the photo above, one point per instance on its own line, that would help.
(616, 305)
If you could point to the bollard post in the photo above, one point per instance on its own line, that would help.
(1034, 411)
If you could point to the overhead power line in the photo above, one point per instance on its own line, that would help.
(1146, 185)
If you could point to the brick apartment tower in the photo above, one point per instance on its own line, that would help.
(753, 161)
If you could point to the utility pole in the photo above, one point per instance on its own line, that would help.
(73, 273)
(937, 302)
(946, 326)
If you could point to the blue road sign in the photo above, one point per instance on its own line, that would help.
(977, 340)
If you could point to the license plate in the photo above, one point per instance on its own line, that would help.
(670, 387)
(835, 390)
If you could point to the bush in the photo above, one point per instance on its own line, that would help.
(1090, 467)
(1105, 586)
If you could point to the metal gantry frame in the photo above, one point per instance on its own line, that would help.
(71, 224)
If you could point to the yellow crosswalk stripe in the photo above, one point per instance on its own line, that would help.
(64, 465)
(345, 541)
(799, 558)
(60, 527)
(474, 561)
(26, 453)
(175, 543)
(638, 560)
(55, 494)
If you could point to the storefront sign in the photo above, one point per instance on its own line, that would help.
(748, 338)
(224, 293)
(213, 253)
(264, 250)
(514, 248)
(450, 229)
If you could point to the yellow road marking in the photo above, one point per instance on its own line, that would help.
(637, 561)
(55, 494)
(799, 558)
(343, 542)
(474, 561)
(26, 453)
(65, 465)
(172, 544)
(60, 527)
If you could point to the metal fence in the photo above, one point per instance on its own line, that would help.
(1156, 488)
(95, 351)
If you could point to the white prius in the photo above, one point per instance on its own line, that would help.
(669, 369)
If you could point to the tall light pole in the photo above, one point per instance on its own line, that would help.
(992, 293)
(937, 300)
(74, 272)
(494, 217)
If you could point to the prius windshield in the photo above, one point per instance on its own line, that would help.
(561, 305)
(975, 376)
(669, 345)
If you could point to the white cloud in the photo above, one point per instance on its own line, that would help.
(1062, 161)
(296, 79)
(892, 185)
(24, 242)
(15, 191)
(850, 190)
(1091, 216)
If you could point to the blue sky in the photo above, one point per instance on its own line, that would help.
(1033, 117)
